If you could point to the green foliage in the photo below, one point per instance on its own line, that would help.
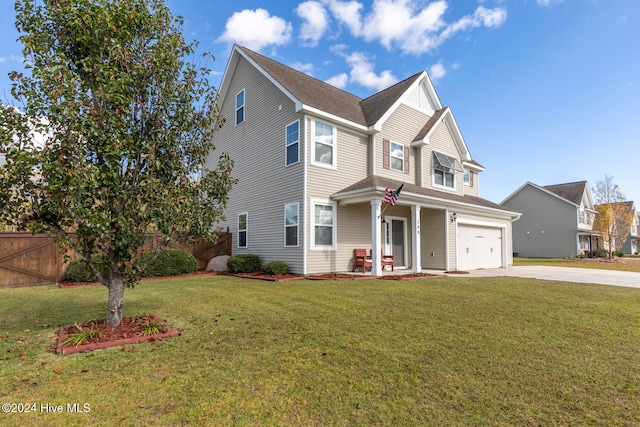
(127, 119)
(79, 270)
(244, 263)
(275, 267)
(168, 262)
(82, 335)
(151, 327)
(618, 254)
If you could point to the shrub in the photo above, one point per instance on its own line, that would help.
(275, 267)
(618, 254)
(78, 270)
(599, 253)
(169, 262)
(244, 263)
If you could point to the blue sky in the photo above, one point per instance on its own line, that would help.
(546, 91)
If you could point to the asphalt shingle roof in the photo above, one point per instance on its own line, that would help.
(571, 191)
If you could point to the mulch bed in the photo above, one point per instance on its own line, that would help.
(128, 332)
(66, 285)
(268, 277)
(337, 276)
(410, 276)
(457, 272)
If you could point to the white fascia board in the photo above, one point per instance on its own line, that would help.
(306, 109)
(472, 166)
(430, 89)
(228, 71)
(425, 140)
(450, 120)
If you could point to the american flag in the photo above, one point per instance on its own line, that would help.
(391, 195)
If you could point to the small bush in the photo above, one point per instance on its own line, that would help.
(599, 253)
(244, 263)
(78, 270)
(169, 262)
(275, 267)
(618, 254)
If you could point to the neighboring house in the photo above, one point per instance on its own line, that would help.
(313, 163)
(557, 220)
(632, 244)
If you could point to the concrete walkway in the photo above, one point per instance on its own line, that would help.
(565, 274)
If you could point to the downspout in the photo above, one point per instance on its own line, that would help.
(304, 195)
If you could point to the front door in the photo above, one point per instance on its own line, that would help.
(397, 242)
(396, 233)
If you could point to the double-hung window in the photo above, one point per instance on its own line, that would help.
(240, 107)
(444, 170)
(323, 227)
(324, 144)
(292, 143)
(291, 212)
(397, 156)
(243, 229)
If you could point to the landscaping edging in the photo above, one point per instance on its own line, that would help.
(64, 350)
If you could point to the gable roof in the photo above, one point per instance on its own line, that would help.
(572, 191)
(318, 97)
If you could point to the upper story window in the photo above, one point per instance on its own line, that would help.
(240, 107)
(395, 156)
(467, 177)
(444, 170)
(324, 144)
(292, 143)
(582, 216)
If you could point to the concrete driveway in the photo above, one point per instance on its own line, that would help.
(565, 274)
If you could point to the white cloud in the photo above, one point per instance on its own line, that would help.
(437, 71)
(548, 2)
(242, 28)
(362, 72)
(3, 60)
(316, 21)
(348, 13)
(339, 80)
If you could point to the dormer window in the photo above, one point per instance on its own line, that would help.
(444, 170)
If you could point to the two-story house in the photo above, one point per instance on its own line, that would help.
(314, 162)
(632, 244)
(557, 220)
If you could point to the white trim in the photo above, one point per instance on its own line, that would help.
(285, 226)
(334, 146)
(286, 145)
(334, 226)
(246, 230)
(489, 224)
(388, 246)
(433, 174)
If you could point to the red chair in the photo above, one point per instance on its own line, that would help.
(386, 260)
(360, 259)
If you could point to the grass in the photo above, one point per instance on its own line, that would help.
(454, 351)
(626, 263)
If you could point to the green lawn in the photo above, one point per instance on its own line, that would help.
(454, 351)
(627, 263)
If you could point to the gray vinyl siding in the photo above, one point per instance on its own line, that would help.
(433, 231)
(265, 184)
(353, 222)
(547, 227)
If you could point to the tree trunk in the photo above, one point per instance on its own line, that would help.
(116, 300)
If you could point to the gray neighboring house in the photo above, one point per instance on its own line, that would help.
(314, 163)
(632, 244)
(557, 220)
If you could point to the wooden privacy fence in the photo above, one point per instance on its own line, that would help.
(36, 259)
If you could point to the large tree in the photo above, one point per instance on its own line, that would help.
(614, 214)
(127, 116)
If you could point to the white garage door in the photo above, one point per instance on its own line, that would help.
(479, 247)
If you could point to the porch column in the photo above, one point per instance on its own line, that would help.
(415, 247)
(376, 232)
